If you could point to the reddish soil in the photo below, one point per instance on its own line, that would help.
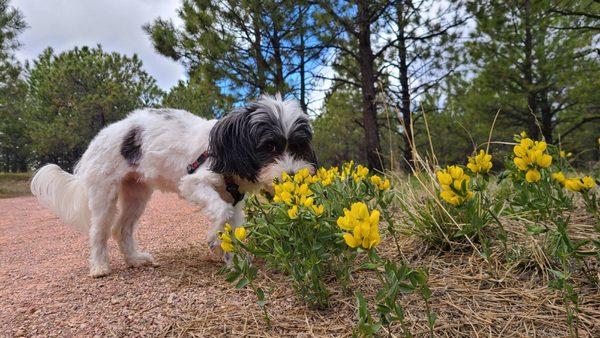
(44, 284)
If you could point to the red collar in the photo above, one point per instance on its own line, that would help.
(230, 185)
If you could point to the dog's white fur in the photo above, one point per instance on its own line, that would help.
(106, 192)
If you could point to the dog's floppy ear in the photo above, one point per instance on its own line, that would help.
(231, 146)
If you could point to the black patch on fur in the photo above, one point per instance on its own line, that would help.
(131, 148)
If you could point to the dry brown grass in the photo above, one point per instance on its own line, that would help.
(471, 298)
(14, 184)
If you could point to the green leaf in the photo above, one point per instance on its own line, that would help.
(242, 283)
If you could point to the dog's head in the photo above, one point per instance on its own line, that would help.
(262, 140)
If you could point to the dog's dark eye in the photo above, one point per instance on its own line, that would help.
(269, 147)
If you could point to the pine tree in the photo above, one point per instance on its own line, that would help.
(13, 139)
(529, 67)
(74, 94)
(354, 24)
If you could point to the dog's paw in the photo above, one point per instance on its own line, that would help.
(215, 246)
(228, 258)
(140, 259)
(99, 270)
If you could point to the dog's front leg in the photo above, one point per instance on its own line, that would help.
(199, 188)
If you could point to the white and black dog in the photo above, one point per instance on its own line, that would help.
(165, 149)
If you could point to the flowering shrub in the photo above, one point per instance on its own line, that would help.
(317, 228)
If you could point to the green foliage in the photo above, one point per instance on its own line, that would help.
(530, 69)
(338, 135)
(14, 150)
(74, 94)
(247, 48)
(198, 96)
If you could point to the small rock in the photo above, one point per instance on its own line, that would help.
(171, 298)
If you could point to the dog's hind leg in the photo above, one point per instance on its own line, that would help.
(133, 198)
(103, 206)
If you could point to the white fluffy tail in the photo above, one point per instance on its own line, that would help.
(64, 194)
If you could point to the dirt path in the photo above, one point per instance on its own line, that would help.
(45, 290)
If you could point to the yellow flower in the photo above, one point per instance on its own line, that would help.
(443, 177)
(380, 183)
(225, 238)
(240, 233)
(293, 212)
(307, 202)
(523, 134)
(540, 145)
(544, 160)
(318, 210)
(564, 154)
(532, 176)
(450, 197)
(226, 246)
(578, 184)
(360, 173)
(573, 184)
(362, 226)
(375, 179)
(481, 163)
(451, 181)
(521, 162)
(559, 176)
(530, 156)
(304, 173)
(588, 183)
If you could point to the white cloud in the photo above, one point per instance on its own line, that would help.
(115, 24)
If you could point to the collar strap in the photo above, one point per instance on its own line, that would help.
(197, 163)
(233, 189)
(230, 185)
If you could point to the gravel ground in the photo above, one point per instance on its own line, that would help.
(45, 289)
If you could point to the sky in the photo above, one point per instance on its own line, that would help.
(115, 24)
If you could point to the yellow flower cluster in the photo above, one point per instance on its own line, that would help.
(381, 184)
(360, 173)
(530, 156)
(362, 227)
(225, 237)
(480, 163)
(451, 180)
(576, 184)
(326, 177)
(294, 191)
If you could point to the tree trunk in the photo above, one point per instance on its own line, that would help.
(406, 118)
(278, 81)
(302, 70)
(528, 73)
(261, 65)
(369, 109)
(546, 111)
